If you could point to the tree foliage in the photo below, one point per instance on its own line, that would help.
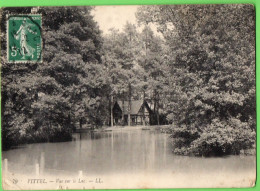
(211, 78)
(46, 101)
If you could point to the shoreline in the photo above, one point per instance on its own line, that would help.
(124, 128)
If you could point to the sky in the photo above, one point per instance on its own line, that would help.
(116, 17)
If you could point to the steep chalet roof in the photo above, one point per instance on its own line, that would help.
(135, 106)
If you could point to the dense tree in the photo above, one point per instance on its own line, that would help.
(152, 60)
(135, 62)
(211, 56)
(75, 63)
(67, 90)
(14, 100)
(121, 50)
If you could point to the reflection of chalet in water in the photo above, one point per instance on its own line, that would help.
(140, 113)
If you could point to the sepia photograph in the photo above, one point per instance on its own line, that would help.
(128, 97)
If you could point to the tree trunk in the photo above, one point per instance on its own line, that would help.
(143, 109)
(50, 127)
(69, 122)
(154, 99)
(129, 106)
(143, 116)
(154, 108)
(123, 110)
(111, 112)
(157, 110)
(80, 123)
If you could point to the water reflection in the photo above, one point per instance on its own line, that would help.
(121, 151)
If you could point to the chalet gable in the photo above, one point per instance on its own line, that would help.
(136, 106)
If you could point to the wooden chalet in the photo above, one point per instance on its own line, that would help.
(140, 113)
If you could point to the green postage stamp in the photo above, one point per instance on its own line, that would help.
(24, 39)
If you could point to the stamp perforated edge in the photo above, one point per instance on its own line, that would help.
(7, 40)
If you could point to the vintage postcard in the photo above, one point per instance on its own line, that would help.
(128, 97)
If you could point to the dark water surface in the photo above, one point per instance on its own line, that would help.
(122, 152)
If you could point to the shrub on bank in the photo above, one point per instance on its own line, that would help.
(43, 134)
(46, 134)
(61, 136)
(217, 139)
(182, 138)
(10, 139)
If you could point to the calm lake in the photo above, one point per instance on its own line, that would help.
(122, 152)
